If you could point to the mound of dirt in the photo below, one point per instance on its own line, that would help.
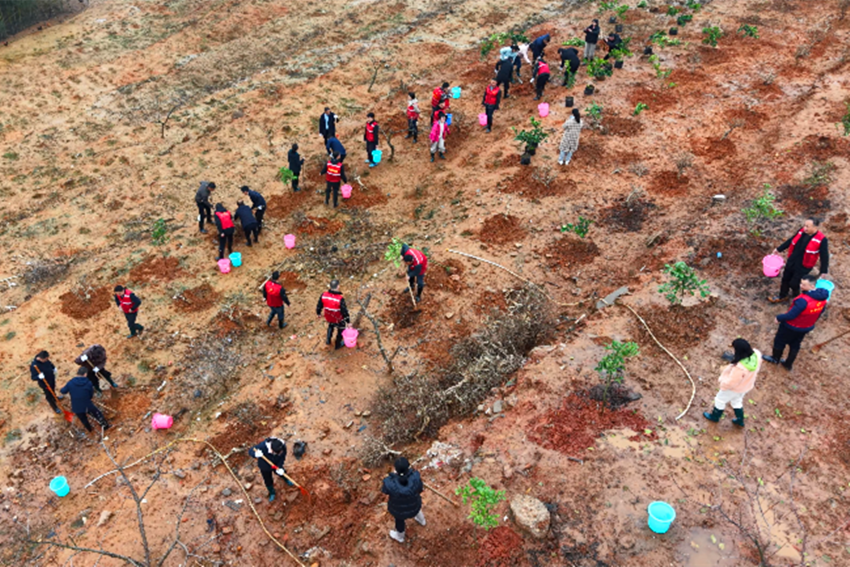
(501, 229)
(500, 548)
(656, 99)
(627, 217)
(85, 305)
(290, 281)
(802, 199)
(536, 182)
(401, 311)
(624, 127)
(196, 299)
(447, 276)
(131, 406)
(741, 254)
(163, 268)
(669, 183)
(569, 251)
(317, 225)
(281, 206)
(714, 149)
(678, 328)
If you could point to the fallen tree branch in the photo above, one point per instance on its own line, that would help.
(387, 358)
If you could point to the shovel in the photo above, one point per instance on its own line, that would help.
(817, 347)
(69, 416)
(298, 486)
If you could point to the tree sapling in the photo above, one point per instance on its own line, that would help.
(482, 499)
(683, 280)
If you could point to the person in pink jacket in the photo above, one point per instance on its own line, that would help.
(736, 380)
(439, 132)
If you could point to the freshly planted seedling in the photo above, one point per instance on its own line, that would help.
(683, 280)
(695, 6)
(762, 208)
(599, 68)
(712, 34)
(482, 499)
(641, 106)
(749, 31)
(159, 232)
(531, 137)
(642, 4)
(393, 253)
(581, 227)
(285, 175)
(673, 10)
(605, 6)
(569, 78)
(684, 19)
(621, 10)
(502, 38)
(613, 365)
(595, 111)
(660, 72)
(821, 174)
(660, 38)
(574, 42)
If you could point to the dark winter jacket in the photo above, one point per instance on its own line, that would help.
(327, 125)
(257, 200)
(405, 500)
(591, 34)
(37, 367)
(335, 146)
(570, 54)
(295, 161)
(800, 306)
(81, 391)
(537, 46)
(796, 259)
(246, 217)
(504, 70)
(614, 42)
(266, 448)
(203, 195)
(96, 354)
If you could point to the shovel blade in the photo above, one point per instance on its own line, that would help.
(69, 417)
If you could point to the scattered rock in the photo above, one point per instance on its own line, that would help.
(104, 517)
(449, 315)
(227, 530)
(507, 472)
(366, 477)
(226, 492)
(497, 406)
(531, 515)
(248, 486)
(179, 474)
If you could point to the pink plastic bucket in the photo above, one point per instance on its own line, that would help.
(543, 109)
(349, 337)
(346, 191)
(224, 265)
(772, 265)
(482, 118)
(289, 241)
(161, 421)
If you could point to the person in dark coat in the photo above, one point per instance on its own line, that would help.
(129, 304)
(249, 223)
(613, 41)
(332, 305)
(569, 55)
(295, 163)
(94, 358)
(327, 126)
(800, 320)
(804, 250)
(591, 38)
(274, 450)
(202, 199)
(44, 373)
(504, 71)
(226, 228)
(404, 488)
(258, 205)
(335, 148)
(275, 296)
(537, 46)
(81, 391)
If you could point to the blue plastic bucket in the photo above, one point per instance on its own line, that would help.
(236, 259)
(376, 156)
(59, 486)
(661, 515)
(456, 92)
(827, 285)
(448, 119)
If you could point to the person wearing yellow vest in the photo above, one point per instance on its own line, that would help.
(334, 172)
(275, 296)
(738, 378)
(798, 321)
(127, 301)
(804, 250)
(370, 136)
(332, 304)
(224, 223)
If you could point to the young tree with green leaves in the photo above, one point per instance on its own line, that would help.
(482, 499)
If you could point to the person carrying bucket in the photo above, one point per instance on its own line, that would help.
(491, 100)
(270, 455)
(224, 223)
(275, 296)
(334, 172)
(540, 76)
(417, 265)
(258, 204)
(804, 250)
(127, 301)
(202, 199)
(250, 226)
(404, 490)
(798, 322)
(439, 101)
(439, 132)
(370, 136)
(81, 391)
(44, 373)
(738, 378)
(332, 304)
(412, 116)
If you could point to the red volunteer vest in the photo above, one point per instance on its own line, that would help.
(810, 315)
(273, 294)
(226, 221)
(331, 303)
(812, 253)
(370, 131)
(334, 172)
(490, 95)
(419, 259)
(437, 97)
(126, 302)
(543, 68)
(411, 113)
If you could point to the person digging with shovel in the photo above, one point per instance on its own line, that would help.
(94, 358)
(332, 303)
(81, 391)
(417, 265)
(404, 488)
(44, 373)
(270, 455)
(127, 301)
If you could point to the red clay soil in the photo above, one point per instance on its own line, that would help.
(163, 268)
(361, 199)
(235, 323)
(801, 199)
(823, 148)
(318, 225)
(290, 281)
(657, 100)
(525, 184)
(622, 217)
(197, 299)
(77, 307)
(500, 548)
(281, 206)
(669, 183)
(714, 149)
(678, 328)
(487, 301)
(712, 55)
(574, 427)
(401, 311)
(131, 406)
(501, 229)
(837, 223)
(446, 276)
(741, 254)
(751, 119)
(569, 251)
(625, 127)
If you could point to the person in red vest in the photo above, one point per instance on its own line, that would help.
(492, 99)
(412, 116)
(370, 136)
(224, 222)
(334, 171)
(127, 301)
(417, 265)
(540, 76)
(804, 250)
(275, 296)
(439, 101)
(799, 320)
(332, 303)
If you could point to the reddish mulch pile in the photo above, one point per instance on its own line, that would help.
(669, 183)
(500, 548)
(625, 127)
(714, 149)
(318, 225)
(197, 299)
(290, 281)
(280, 206)
(804, 199)
(447, 275)
(569, 251)
(502, 229)
(627, 217)
(400, 309)
(80, 307)
(574, 427)
(530, 181)
(161, 269)
(678, 328)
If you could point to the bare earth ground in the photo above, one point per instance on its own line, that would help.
(85, 172)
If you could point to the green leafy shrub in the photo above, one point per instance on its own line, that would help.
(695, 6)
(10, 156)
(683, 280)
(621, 10)
(482, 499)
(684, 19)
(712, 34)
(532, 137)
(599, 68)
(569, 78)
(605, 6)
(574, 42)
(845, 120)
(581, 227)
(749, 31)
(673, 10)
(762, 208)
(393, 253)
(285, 175)
(159, 232)
(613, 364)
(661, 39)
(660, 72)
(595, 111)
(641, 106)
(642, 4)
(502, 38)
